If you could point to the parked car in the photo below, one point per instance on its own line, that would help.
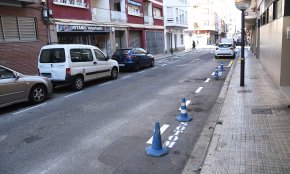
(74, 64)
(16, 87)
(133, 58)
(225, 50)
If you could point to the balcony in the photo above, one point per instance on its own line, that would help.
(72, 3)
(172, 22)
(101, 15)
(148, 20)
(118, 16)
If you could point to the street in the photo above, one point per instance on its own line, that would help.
(105, 127)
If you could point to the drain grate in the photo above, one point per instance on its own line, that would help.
(244, 91)
(265, 111)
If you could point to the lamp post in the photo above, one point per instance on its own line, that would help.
(243, 5)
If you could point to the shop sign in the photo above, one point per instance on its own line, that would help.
(82, 28)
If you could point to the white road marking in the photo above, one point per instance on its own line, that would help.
(140, 72)
(105, 84)
(186, 103)
(164, 65)
(207, 80)
(162, 129)
(73, 94)
(29, 108)
(212, 73)
(154, 67)
(125, 77)
(2, 137)
(198, 90)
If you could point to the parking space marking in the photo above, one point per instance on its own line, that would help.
(207, 80)
(186, 103)
(198, 90)
(162, 129)
(105, 84)
(125, 77)
(73, 94)
(29, 108)
(172, 139)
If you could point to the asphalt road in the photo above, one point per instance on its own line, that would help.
(105, 128)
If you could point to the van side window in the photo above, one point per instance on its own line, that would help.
(54, 55)
(75, 55)
(86, 55)
(99, 55)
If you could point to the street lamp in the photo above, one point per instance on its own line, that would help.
(243, 5)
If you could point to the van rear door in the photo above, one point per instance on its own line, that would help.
(52, 63)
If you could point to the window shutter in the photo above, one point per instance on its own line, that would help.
(27, 28)
(10, 28)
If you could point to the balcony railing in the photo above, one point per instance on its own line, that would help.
(101, 15)
(118, 16)
(148, 20)
(173, 22)
(72, 3)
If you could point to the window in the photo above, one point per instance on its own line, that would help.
(55, 55)
(277, 9)
(6, 74)
(117, 6)
(17, 28)
(157, 13)
(134, 10)
(181, 39)
(81, 55)
(99, 55)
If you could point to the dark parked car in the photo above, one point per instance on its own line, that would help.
(133, 58)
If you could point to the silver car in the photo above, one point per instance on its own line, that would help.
(16, 87)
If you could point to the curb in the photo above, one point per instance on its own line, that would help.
(198, 155)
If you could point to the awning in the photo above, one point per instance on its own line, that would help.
(134, 3)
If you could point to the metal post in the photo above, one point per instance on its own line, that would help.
(171, 49)
(242, 80)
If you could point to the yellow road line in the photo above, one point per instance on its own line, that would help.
(230, 64)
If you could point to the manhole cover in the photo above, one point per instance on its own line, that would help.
(267, 111)
(245, 91)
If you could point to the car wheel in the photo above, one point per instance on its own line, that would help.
(152, 63)
(114, 73)
(216, 57)
(37, 94)
(136, 67)
(78, 83)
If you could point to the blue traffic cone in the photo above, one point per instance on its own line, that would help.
(216, 74)
(183, 117)
(222, 66)
(156, 148)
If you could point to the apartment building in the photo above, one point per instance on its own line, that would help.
(175, 23)
(23, 31)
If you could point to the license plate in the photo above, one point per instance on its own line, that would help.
(121, 64)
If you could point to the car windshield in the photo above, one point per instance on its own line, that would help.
(55, 55)
(224, 45)
(122, 52)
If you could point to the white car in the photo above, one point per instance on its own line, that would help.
(74, 64)
(225, 50)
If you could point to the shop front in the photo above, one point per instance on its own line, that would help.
(85, 34)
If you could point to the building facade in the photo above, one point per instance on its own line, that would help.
(23, 31)
(273, 39)
(175, 13)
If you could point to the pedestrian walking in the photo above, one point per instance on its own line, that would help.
(193, 44)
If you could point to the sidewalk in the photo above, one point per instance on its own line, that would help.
(248, 130)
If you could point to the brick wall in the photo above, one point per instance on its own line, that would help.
(22, 56)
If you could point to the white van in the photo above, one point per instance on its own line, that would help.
(75, 64)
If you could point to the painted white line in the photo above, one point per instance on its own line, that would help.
(105, 84)
(140, 72)
(125, 77)
(212, 73)
(186, 103)
(154, 67)
(162, 129)
(198, 90)
(207, 80)
(29, 108)
(164, 65)
(73, 94)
